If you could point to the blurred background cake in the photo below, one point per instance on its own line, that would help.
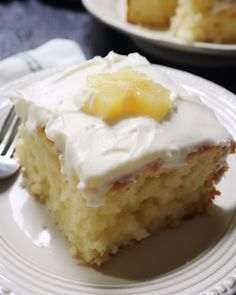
(205, 20)
(154, 13)
(189, 20)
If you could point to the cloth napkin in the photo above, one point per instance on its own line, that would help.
(56, 52)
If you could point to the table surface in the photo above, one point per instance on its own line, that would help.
(27, 24)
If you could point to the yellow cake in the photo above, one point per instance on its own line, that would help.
(151, 13)
(117, 151)
(189, 20)
(205, 20)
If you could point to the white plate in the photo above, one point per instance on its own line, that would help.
(198, 257)
(161, 43)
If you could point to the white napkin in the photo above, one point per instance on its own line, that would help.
(57, 52)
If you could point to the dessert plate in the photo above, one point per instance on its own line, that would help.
(198, 257)
(161, 43)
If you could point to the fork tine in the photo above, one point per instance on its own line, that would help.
(9, 136)
(11, 149)
(11, 115)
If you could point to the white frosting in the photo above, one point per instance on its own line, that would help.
(100, 153)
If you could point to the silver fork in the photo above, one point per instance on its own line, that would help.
(8, 137)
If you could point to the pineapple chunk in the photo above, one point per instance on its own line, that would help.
(126, 93)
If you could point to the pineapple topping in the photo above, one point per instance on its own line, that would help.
(124, 94)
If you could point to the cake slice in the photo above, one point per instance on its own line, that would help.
(151, 13)
(205, 20)
(117, 151)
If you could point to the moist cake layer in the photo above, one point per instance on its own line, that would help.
(155, 198)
